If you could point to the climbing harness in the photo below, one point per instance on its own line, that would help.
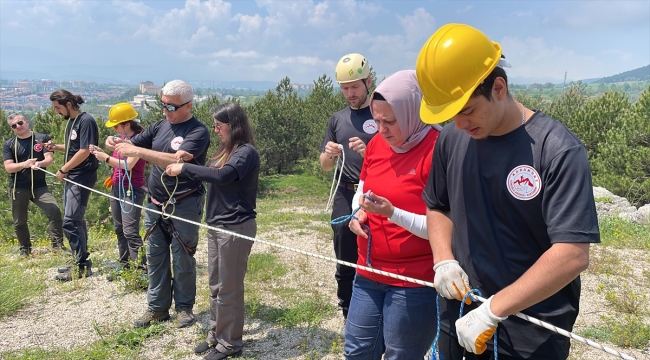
(171, 200)
(167, 228)
(335, 182)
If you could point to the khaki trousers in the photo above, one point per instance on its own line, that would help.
(227, 263)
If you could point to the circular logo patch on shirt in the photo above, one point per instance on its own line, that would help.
(73, 135)
(176, 142)
(38, 147)
(369, 126)
(524, 182)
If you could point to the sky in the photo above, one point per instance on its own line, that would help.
(266, 40)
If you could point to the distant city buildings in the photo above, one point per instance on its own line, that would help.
(307, 87)
(140, 99)
(34, 95)
(148, 87)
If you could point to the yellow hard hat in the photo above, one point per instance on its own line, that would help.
(119, 113)
(352, 67)
(451, 65)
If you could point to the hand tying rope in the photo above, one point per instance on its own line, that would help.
(346, 218)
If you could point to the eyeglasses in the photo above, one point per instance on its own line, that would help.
(172, 108)
(218, 126)
(17, 124)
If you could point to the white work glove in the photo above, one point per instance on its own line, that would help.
(477, 327)
(451, 281)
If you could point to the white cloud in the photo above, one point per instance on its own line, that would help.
(250, 24)
(228, 53)
(522, 13)
(600, 14)
(208, 11)
(533, 57)
(620, 54)
(465, 9)
(418, 26)
(198, 19)
(135, 8)
(203, 35)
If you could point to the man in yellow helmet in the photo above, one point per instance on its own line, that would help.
(350, 128)
(511, 209)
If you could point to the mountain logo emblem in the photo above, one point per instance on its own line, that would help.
(369, 126)
(524, 182)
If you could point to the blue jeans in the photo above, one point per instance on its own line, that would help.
(398, 320)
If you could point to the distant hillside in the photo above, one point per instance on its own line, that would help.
(640, 74)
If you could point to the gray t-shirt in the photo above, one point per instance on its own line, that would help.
(344, 125)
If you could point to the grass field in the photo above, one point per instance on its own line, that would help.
(290, 298)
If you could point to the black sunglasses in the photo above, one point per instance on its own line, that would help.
(17, 124)
(172, 108)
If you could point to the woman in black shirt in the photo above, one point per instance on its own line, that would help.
(232, 176)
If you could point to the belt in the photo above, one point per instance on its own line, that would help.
(174, 199)
(349, 186)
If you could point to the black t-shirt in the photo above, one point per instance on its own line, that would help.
(191, 136)
(84, 134)
(344, 125)
(27, 149)
(232, 189)
(511, 197)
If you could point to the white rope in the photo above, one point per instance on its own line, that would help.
(531, 319)
(330, 199)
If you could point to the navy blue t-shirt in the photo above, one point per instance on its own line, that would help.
(510, 198)
(27, 149)
(191, 136)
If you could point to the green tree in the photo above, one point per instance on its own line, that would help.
(281, 130)
(623, 165)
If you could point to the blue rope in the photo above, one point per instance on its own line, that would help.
(121, 191)
(346, 218)
(434, 347)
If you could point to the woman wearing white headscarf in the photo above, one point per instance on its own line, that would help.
(386, 314)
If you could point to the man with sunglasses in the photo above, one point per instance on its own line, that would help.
(21, 153)
(182, 196)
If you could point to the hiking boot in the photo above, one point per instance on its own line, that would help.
(203, 347)
(86, 269)
(112, 276)
(25, 252)
(185, 317)
(58, 245)
(215, 354)
(64, 275)
(150, 316)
